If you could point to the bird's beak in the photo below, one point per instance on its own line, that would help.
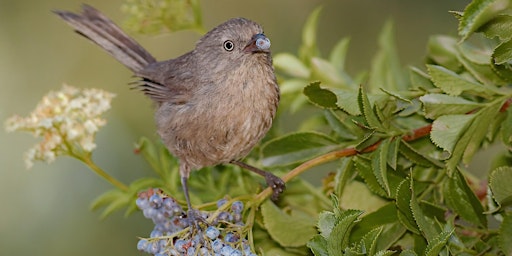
(258, 43)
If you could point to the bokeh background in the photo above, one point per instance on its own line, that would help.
(45, 210)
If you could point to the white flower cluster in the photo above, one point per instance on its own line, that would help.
(67, 120)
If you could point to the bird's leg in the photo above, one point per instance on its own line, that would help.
(191, 212)
(274, 182)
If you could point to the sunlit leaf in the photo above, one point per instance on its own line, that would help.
(498, 27)
(436, 104)
(454, 84)
(287, 229)
(318, 246)
(477, 13)
(447, 130)
(291, 65)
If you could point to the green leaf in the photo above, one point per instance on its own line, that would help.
(341, 127)
(287, 229)
(379, 164)
(296, 147)
(428, 226)
(499, 183)
(149, 152)
(319, 96)
(364, 169)
(324, 71)
(347, 101)
(438, 243)
(480, 128)
(417, 157)
(462, 200)
(340, 235)
(370, 240)
(357, 195)
(448, 129)
(309, 47)
(392, 157)
(436, 104)
(339, 54)
(290, 86)
(498, 27)
(383, 216)
(318, 246)
(443, 51)
(483, 72)
(408, 252)
(454, 84)
(505, 235)
(419, 79)
(326, 222)
(385, 253)
(113, 200)
(404, 212)
(503, 53)
(386, 70)
(477, 13)
(290, 65)
(366, 108)
(506, 128)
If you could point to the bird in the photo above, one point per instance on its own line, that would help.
(213, 104)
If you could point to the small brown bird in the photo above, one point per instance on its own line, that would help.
(213, 104)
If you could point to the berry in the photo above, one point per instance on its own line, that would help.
(231, 237)
(155, 201)
(221, 202)
(180, 245)
(237, 207)
(226, 250)
(217, 245)
(156, 233)
(142, 245)
(212, 232)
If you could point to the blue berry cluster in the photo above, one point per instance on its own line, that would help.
(219, 237)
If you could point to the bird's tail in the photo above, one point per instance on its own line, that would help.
(95, 26)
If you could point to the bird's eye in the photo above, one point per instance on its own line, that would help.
(228, 45)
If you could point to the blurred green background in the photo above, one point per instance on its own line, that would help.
(44, 211)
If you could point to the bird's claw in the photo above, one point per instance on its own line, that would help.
(276, 184)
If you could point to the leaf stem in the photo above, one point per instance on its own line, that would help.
(87, 160)
(331, 156)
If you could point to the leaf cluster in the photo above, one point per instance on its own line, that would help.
(400, 137)
(413, 131)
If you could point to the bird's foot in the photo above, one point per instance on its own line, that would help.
(276, 184)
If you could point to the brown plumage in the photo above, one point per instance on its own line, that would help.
(213, 104)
